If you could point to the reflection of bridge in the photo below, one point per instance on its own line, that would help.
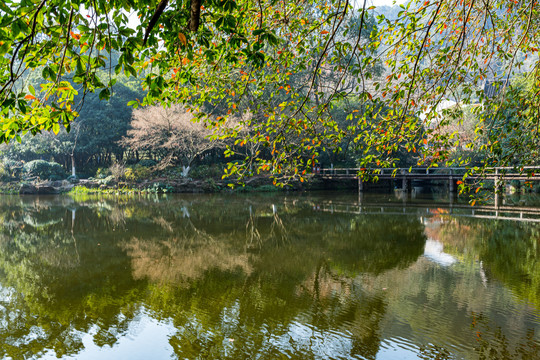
(505, 212)
(451, 175)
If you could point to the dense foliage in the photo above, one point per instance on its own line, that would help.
(284, 68)
(44, 169)
(94, 137)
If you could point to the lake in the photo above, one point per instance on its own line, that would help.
(268, 276)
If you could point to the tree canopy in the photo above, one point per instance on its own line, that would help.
(289, 66)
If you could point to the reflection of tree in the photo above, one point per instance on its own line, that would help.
(198, 267)
(58, 290)
(508, 250)
(339, 303)
(493, 344)
(23, 334)
(320, 290)
(277, 232)
(253, 236)
(181, 259)
(269, 283)
(387, 242)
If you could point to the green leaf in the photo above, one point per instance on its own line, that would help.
(104, 94)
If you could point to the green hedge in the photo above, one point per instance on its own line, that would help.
(44, 170)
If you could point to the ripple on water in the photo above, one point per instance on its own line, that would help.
(304, 338)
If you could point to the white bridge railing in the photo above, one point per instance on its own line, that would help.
(532, 172)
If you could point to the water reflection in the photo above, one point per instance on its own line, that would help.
(263, 277)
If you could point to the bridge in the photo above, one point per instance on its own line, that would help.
(451, 175)
(431, 208)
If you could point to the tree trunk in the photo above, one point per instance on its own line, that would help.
(72, 165)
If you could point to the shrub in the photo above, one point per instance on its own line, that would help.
(4, 174)
(109, 180)
(147, 163)
(214, 171)
(73, 179)
(129, 174)
(102, 173)
(44, 170)
(118, 170)
(160, 188)
(12, 169)
(137, 172)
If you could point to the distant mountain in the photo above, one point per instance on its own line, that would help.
(389, 12)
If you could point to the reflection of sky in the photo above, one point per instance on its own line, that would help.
(301, 338)
(334, 344)
(147, 338)
(394, 350)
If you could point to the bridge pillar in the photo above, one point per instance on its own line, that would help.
(498, 200)
(452, 183)
(452, 186)
(498, 190)
(498, 182)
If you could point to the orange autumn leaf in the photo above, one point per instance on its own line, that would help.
(182, 38)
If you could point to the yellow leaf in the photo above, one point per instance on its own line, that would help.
(56, 128)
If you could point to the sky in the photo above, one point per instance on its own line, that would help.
(134, 21)
(385, 2)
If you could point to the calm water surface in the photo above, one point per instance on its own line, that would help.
(324, 276)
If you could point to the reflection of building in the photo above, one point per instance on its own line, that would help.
(441, 106)
(434, 251)
(493, 88)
